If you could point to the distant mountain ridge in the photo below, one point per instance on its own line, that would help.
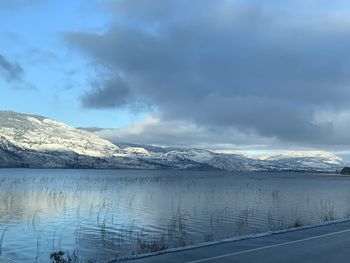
(286, 161)
(39, 142)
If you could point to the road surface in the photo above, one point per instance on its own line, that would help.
(323, 244)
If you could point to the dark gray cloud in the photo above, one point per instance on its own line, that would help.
(277, 71)
(12, 71)
(107, 94)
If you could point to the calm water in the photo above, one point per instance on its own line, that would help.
(105, 214)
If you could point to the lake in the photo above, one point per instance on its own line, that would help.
(102, 214)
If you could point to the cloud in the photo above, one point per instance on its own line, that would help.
(11, 71)
(107, 94)
(227, 65)
(153, 130)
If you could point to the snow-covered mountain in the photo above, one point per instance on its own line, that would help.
(35, 141)
(39, 142)
(36, 133)
(185, 158)
(307, 160)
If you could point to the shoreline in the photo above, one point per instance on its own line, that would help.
(225, 240)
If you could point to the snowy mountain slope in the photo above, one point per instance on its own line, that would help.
(308, 160)
(35, 141)
(182, 158)
(39, 142)
(327, 157)
(42, 134)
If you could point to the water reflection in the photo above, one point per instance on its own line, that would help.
(105, 214)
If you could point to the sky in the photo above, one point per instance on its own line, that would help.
(221, 74)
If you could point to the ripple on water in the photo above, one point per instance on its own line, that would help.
(104, 214)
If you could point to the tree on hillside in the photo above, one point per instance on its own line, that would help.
(345, 170)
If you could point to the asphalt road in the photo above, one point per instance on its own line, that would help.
(330, 243)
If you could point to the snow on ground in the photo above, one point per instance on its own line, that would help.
(51, 140)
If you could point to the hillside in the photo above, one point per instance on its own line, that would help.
(39, 142)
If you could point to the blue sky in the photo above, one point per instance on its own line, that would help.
(228, 74)
(32, 35)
